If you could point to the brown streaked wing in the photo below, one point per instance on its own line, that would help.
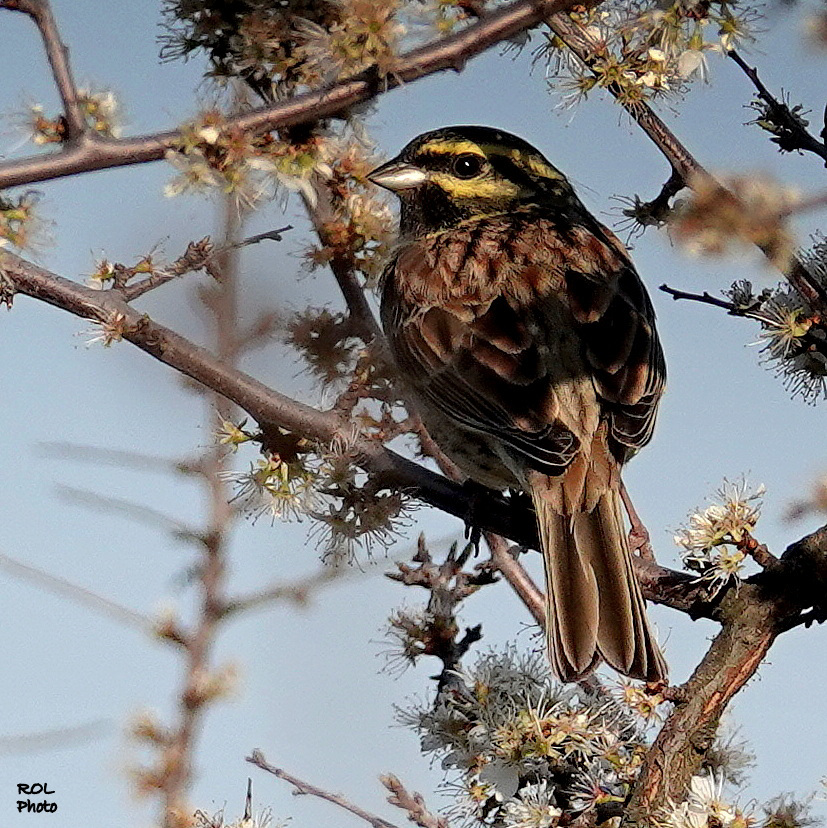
(483, 371)
(622, 347)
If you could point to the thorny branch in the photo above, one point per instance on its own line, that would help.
(98, 153)
(437, 634)
(787, 126)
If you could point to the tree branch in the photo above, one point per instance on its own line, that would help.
(321, 216)
(257, 758)
(752, 617)
(448, 53)
(58, 54)
(683, 163)
(60, 586)
(795, 133)
(272, 409)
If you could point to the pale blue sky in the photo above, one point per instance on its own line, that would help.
(311, 696)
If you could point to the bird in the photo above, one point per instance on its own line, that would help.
(526, 342)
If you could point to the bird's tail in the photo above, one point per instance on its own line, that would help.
(594, 606)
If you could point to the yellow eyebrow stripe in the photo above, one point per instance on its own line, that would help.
(533, 161)
(448, 147)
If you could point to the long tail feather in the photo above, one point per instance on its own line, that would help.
(594, 606)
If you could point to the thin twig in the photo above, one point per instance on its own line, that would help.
(705, 298)
(82, 595)
(297, 592)
(135, 511)
(195, 258)
(301, 787)
(58, 738)
(413, 803)
(220, 306)
(639, 538)
(115, 457)
(320, 212)
(449, 53)
(780, 112)
(58, 54)
(518, 578)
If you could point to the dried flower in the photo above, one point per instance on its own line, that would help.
(109, 331)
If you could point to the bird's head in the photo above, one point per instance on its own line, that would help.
(459, 173)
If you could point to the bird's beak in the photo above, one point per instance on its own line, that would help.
(397, 175)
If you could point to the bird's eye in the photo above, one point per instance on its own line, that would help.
(467, 165)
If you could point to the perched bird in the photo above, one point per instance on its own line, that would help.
(527, 342)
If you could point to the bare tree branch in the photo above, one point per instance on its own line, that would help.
(796, 134)
(257, 758)
(20, 744)
(58, 54)
(82, 595)
(297, 592)
(98, 153)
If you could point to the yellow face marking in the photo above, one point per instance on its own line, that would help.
(481, 188)
(532, 161)
(448, 147)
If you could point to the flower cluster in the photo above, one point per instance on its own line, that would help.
(705, 807)
(357, 515)
(715, 543)
(108, 331)
(294, 479)
(644, 50)
(99, 109)
(281, 487)
(527, 749)
(324, 340)
(17, 218)
(793, 336)
(280, 48)
(213, 155)
(360, 230)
